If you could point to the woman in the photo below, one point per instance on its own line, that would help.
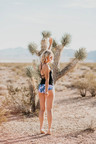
(46, 89)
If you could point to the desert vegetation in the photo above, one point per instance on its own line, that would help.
(57, 50)
(17, 116)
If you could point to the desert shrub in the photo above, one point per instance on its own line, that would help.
(18, 100)
(24, 99)
(91, 79)
(33, 72)
(87, 83)
(82, 85)
(33, 95)
(92, 89)
(34, 78)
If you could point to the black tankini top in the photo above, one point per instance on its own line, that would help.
(50, 78)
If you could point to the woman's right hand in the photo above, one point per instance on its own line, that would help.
(46, 94)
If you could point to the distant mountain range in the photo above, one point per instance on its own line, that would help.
(20, 54)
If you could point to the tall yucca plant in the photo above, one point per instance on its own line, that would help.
(57, 50)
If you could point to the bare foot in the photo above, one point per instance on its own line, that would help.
(42, 131)
(48, 132)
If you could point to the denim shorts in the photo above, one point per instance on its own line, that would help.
(41, 88)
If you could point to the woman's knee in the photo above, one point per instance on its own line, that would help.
(42, 110)
(49, 109)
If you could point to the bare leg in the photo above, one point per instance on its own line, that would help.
(49, 110)
(42, 110)
(49, 117)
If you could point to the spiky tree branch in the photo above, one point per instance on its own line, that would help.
(81, 54)
(33, 48)
(58, 74)
(46, 34)
(54, 43)
(66, 39)
(58, 50)
(44, 44)
(78, 56)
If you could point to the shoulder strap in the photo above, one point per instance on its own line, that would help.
(41, 67)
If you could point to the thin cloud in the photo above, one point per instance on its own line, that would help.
(18, 3)
(80, 3)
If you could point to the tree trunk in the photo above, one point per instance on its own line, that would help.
(32, 88)
(57, 55)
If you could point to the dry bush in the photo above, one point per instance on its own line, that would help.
(33, 94)
(87, 83)
(34, 79)
(18, 100)
(23, 99)
(82, 85)
(92, 89)
(91, 79)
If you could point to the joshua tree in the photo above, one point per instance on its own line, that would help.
(57, 50)
(33, 72)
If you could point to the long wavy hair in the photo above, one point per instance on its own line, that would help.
(45, 55)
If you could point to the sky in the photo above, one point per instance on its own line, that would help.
(22, 22)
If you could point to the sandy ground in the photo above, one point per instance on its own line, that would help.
(74, 118)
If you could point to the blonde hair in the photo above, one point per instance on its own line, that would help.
(45, 54)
